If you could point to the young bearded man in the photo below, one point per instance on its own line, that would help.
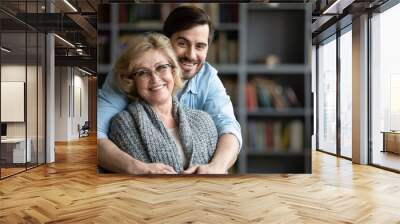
(190, 32)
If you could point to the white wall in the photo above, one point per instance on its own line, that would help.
(33, 127)
(61, 103)
(16, 73)
(70, 84)
(80, 111)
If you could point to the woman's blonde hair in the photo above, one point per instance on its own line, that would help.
(127, 62)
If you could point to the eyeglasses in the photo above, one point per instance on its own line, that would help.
(160, 70)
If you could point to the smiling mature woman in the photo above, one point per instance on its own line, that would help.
(155, 128)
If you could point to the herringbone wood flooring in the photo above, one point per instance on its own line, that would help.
(70, 191)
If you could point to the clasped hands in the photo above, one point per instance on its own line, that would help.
(160, 168)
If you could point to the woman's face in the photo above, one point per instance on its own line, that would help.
(153, 78)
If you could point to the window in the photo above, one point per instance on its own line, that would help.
(394, 102)
(346, 93)
(327, 96)
(385, 84)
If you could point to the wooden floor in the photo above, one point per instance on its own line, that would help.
(70, 191)
(10, 171)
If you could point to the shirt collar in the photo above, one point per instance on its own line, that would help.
(191, 84)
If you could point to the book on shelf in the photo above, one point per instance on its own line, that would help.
(269, 143)
(132, 13)
(123, 13)
(231, 89)
(259, 138)
(278, 97)
(285, 137)
(251, 141)
(265, 93)
(263, 96)
(296, 136)
(275, 136)
(213, 11)
(232, 46)
(223, 49)
(212, 53)
(251, 97)
(291, 97)
(166, 9)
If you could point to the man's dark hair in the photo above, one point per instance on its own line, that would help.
(187, 17)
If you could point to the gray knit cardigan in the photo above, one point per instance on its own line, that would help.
(139, 132)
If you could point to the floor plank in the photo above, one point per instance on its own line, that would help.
(70, 191)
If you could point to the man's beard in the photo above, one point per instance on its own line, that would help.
(189, 62)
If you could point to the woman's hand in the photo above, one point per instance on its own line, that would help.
(158, 168)
(210, 168)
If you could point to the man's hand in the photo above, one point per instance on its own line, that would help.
(224, 157)
(205, 169)
(114, 159)
(158, 168)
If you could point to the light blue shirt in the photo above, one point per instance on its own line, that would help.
(204, 91)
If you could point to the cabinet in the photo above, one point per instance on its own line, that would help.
(263, 55)
(13, 151)
(391, 141)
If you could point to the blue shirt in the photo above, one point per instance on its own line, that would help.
(204, 91)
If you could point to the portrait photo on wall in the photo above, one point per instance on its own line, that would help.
(204, 88)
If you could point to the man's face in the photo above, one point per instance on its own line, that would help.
(191, 48)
